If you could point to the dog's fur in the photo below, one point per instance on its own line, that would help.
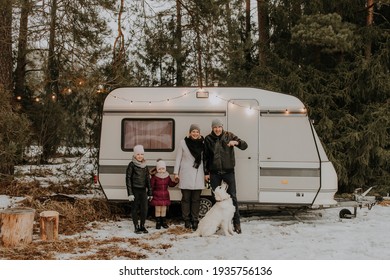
(220, 215)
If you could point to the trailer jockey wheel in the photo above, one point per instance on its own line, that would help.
(345, 214)
(205, 205)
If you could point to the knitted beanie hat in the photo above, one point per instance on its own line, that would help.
(138, 149)
(161, 164)
(216, 123)
(194, 126)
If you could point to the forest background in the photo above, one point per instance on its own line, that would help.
(60, 58)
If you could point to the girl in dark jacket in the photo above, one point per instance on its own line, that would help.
(138, 188)
(160, 182)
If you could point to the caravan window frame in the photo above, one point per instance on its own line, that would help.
(152, 148)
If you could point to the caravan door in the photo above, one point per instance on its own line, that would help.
(243, 121)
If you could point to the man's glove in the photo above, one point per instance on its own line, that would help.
(131, 197)
(150, 198)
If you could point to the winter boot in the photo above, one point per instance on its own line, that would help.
(158, 222)
(187, 224)
(143, 229)
(164, 222)
(195, 225)
(137, 229)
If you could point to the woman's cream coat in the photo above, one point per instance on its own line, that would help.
(190, 177)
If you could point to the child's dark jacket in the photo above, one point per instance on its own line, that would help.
(137, 177)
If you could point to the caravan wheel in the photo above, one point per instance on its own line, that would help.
(345, 214)
(205, 205)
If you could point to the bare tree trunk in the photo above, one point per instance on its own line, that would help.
(6, 67)
(178, 38)
(229, 23)
(6, 45)
(52, 64)
(51, 88)
(262, 14)
(119, 44)
(369, 22)
(247, 43)
(20, 72)
(199, 50)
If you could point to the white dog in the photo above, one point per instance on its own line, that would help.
(220, 215)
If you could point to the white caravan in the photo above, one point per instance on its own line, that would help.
(284, 166)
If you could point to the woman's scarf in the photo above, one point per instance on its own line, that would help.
(196, 148)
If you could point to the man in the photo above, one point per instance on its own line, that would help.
(219, 162)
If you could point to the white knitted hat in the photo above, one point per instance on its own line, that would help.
(161, 164)
(139, 149)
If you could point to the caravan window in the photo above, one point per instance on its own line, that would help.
(287, 139)
(153, 134)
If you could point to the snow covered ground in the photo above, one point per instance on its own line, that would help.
(316, 235)
(272, 238)
(355, 248)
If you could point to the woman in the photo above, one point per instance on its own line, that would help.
(189, 169)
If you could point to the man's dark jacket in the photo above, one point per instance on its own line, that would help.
(218, 156)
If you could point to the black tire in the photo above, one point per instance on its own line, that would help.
(205, 206)
(345, 214)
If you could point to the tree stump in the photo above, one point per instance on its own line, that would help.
(49, 221)
(16, 226)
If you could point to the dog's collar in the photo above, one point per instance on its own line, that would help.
(223, 199)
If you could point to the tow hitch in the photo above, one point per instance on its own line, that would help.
(359, 199)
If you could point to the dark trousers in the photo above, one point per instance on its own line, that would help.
(230, 180)
(190, 203)
(139, 207)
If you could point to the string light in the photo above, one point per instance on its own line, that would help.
(214, 99)
(154, 101)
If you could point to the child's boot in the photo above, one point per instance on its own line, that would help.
(164, 222)
(158, 222)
